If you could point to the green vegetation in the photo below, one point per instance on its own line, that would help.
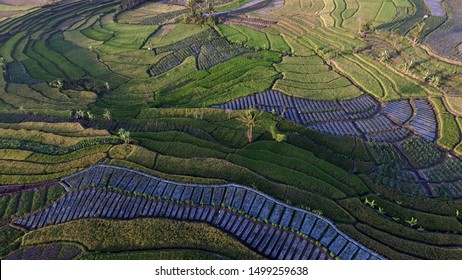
(19, 204)
(86, 84)
(9, 239)
(237, 77)
(449, 133)
(174, 254)
(106, 236)
(50, 251)
(421, 153)
(309, 77)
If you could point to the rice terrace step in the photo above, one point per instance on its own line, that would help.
(90, 196)
(231, 129)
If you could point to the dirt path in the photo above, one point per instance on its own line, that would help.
(445, 59)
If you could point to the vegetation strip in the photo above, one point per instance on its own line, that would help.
(230, 195)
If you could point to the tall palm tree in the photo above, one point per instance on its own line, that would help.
(250, 118)
(417, 32)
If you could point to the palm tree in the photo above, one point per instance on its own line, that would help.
(408, 65)
(384, 55)
(284, 110)
(124, 135)
(193, 6)
(90, 115)
(107, 114)
(370, 203)
(80, 114)
(412, 222)
(426, 75)
(435, 80)
(210, 6)
(373, 204)
(417, 32)
(250, 120)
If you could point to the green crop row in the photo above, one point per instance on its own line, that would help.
(29, 168)
(430, 222)
(423, 204)
(366, 215)
(139, 234)
(8, 239)
(237, 77)
(449, 133)
(174, 254)
(25, 202)
(415, 249)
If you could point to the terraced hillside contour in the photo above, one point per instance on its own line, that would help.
(356, 121)
(356, 117)
(436, 7)
(265, 239)
(360, 117)
(395, 122)
(446, 39)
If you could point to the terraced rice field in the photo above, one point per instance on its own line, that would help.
(265, 239)
(446, 39)
(298, 130)
(436, 7)
(356, 117)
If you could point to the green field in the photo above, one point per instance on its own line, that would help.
(349, 107)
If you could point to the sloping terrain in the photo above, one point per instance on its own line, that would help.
(314, 129)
